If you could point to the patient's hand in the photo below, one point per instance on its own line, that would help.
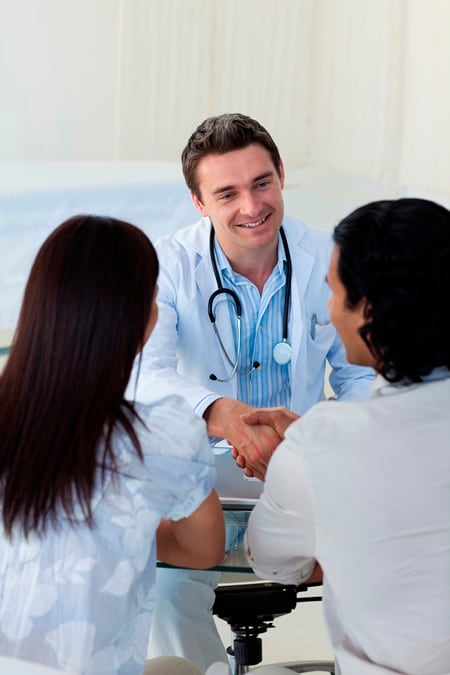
(252, 445)
(263, 441)
(276, 419)
(279, 418)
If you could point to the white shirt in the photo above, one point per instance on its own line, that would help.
(364, 488)
(81, 599)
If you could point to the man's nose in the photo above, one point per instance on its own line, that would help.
(250, 204)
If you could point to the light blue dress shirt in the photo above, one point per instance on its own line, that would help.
(261, 328)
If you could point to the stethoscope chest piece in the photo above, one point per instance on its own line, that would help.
(282, 353)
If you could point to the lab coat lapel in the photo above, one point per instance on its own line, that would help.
(302, 265)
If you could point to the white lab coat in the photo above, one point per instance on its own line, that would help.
(183, 349)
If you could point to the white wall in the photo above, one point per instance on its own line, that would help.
(355, 92)
(58, 79)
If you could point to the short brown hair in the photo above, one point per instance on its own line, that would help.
(221, 134)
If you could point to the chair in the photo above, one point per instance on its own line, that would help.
(250, 609)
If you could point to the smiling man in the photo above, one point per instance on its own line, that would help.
(243, 323)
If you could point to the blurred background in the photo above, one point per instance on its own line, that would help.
(355, 92)
(98, 98)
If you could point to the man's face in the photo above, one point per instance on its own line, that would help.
(240, 191)
(347, 320)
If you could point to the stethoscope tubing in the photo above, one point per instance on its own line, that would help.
(238, 306)
(287, 296)
(220, 287)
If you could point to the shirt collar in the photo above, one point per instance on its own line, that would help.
(440, 373)
(226, 269)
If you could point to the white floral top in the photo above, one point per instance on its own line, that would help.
(81, 599)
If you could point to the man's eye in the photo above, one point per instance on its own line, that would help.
(226, 197)
(263, 184)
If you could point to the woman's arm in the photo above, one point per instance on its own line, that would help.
(197, 541)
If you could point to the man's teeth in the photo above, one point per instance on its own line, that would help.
(258, 222)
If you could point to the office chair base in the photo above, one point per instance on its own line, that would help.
(249, 610)
(295, 667)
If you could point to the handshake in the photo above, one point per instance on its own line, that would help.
(253, 433)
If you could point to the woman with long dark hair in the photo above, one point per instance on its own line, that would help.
(93, 488)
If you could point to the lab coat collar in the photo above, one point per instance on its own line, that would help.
(302, 265)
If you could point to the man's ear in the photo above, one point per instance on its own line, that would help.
(198, 204)
(366, 307)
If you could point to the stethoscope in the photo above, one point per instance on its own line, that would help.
(282, 350)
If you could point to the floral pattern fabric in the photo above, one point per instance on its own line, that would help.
(81, 598)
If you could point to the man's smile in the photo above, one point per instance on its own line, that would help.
(255, 224)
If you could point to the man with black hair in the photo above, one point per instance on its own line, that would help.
(362, 489)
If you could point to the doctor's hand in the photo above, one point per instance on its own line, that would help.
(278, 417)
(252, 445)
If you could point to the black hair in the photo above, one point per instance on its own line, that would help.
(395, 254)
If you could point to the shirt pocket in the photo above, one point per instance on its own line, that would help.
(321, 335)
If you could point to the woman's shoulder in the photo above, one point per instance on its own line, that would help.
(170, 426)
(176, 458)
(172, 408)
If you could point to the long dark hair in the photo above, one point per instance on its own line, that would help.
(83, 319)
(396, 255)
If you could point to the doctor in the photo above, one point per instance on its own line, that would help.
(243, 323)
